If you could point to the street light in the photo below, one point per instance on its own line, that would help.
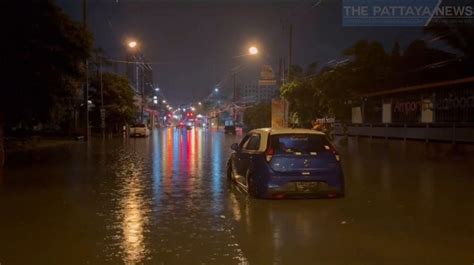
(164, 101)
(216, 89)
(157, 89)
(199, 103)
(253, 50)
(132, 44)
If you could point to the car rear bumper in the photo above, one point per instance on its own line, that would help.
(291, 187)
(138, 134)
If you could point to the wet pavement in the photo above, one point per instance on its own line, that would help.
(165, 200)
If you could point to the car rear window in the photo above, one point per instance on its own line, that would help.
(253, 143)
(139, 126)
(301, 143)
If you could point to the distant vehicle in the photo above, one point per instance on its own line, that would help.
(190, 124)
(281, 163)
(180, 125)
(229, 127)
(138, 130)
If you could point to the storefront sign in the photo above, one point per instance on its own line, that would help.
(455, 102)
(407, 107)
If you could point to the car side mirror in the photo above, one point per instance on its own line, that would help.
(235, 147)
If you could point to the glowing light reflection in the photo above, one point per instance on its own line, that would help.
(216, 163)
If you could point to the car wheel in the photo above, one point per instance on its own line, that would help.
(252, 188)
(230, 174)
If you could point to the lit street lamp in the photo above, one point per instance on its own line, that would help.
(132, 44)
(253, 50)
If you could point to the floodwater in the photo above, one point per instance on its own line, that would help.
(165, 200)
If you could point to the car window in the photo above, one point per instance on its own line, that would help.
(304, 143)
(253, 143)
(244, 141)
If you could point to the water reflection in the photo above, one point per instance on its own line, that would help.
(216, 163)
(164, 200)
(134, 220)
(133, 207)
(157, 163)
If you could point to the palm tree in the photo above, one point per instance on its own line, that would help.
(458, 36)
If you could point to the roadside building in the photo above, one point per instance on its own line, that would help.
(253, 92)
(433, 111)
(263, 90)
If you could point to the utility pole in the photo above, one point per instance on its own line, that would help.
(86, 85)
(143, 94)
(290, 50)
(234, 115)
(102, 109)
(137, 84)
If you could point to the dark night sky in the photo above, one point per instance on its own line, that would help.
(194, 42)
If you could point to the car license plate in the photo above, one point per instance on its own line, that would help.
(307, 186)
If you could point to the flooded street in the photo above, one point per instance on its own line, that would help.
(166, 200)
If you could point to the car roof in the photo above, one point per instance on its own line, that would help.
(273, 131)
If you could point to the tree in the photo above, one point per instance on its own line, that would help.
(322, 95)
(258, 116)
(303, 100)
(118, 101)
(44, 53)
(423, 64)
(370, 66)
(459, 36)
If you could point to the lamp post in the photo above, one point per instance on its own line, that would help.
(253, 51)
(86, 84)
(102, 109)
(133, 46)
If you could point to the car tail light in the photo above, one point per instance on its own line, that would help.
(269, 154)
(334, 151)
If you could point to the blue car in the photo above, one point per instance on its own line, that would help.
(286, 163)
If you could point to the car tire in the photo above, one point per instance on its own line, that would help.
(230, 174)
(252, 188)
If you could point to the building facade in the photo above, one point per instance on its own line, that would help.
(256, 93)
(442, 111)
